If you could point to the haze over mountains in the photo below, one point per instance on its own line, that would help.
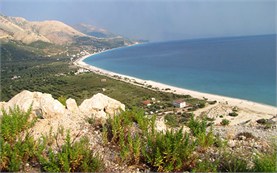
(51, 31)
(53, 38)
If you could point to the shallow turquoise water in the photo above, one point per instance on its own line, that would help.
(240, 67)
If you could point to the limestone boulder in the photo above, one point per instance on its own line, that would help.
(160, 125)
(103, 105)
(72, 106)
(43, 105)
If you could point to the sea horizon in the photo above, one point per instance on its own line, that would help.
(199, 76)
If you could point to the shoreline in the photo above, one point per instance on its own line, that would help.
(229, 101)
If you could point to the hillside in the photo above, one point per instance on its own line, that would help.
(94, 31)
(42, 134)
(20, 29)
(52, 38)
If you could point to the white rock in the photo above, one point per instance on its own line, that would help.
(160, 125)
(44, 103)
(231, 143)
(71, 105)
(100, 102)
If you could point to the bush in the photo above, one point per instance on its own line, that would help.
(266, 162)
(225, 122)
(230, 162)
(14, 123)
(171, 120)
(169, 152)
(201, 105)
(71, 157)
(127, 132)
(233, 114)
(62, 100)
(16, 144)
(205, 165)
(18, 147)
(139, 143)
(197, 127)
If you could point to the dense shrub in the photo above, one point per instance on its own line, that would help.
(233, 114)
(161, 152)
(18, 147)
(168, 152)
(71, 157)
(225, 122)
(197, 127)
(266, 162)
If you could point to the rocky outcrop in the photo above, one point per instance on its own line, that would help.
(46, 107)
(101, 106)
(52, 114)
(43, 105)
(160, 125)
(72, 106)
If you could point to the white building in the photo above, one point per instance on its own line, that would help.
(179, 103)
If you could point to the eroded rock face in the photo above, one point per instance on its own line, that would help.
(43, 104)
(72, 106)
(101, 106)
(52, 114)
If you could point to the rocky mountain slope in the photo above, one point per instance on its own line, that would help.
(20, 29)
(94, 31)
(54, 38)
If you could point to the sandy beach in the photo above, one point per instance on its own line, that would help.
(249, 109)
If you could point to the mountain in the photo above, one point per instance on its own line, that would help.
(20, 29)
(94, 31)
(52, 38)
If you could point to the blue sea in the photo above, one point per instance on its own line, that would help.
(239, 67)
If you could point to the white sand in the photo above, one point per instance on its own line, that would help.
(245, 105)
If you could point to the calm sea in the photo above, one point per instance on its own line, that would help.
(240, 67)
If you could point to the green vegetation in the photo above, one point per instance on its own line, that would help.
(18, 148)
(76, 157)
(230, 162)
(131, 135)
(62, 100)
(161, 152)
(57, 78)
(171, 120)
(266, 162)
(134, 140)
(233, 114)
(225, 122)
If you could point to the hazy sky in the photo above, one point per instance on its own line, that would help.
(155, 20)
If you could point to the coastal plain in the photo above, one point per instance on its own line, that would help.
(248, 110)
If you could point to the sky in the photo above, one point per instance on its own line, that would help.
(155, 20)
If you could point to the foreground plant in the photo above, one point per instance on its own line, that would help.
(167, 152)
(71, 157)
(16, 145)
(18, 148)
